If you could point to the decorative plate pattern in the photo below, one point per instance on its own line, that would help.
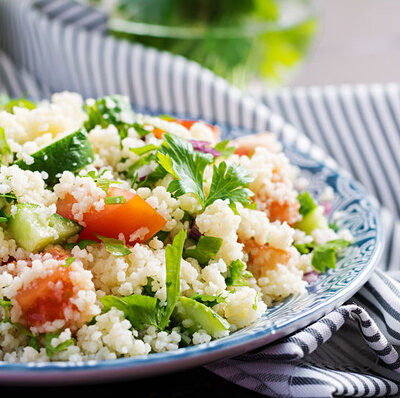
(358, 214)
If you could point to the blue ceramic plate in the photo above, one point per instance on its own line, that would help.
(328, 292)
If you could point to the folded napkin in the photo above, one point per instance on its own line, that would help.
(48, 46)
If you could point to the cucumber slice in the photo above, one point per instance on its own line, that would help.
(313, 220)
(69, 153)
(202, 317)
(33, 232)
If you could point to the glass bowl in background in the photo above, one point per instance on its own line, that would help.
(244, 41)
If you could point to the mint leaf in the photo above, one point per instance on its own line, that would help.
(173, 256)
(205, 250)
(307, 203)
(114, 246)
(178, 158)
(238, 273)
(138, 309)
(324, 256)
(229, 182)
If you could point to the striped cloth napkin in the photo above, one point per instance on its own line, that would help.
(48, 46)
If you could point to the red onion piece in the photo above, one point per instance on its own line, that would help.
(311, 276)
(204, 146)
(327, 206)
(194, 233)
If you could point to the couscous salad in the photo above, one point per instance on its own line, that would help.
(123, 234)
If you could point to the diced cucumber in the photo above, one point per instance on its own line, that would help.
(69, 153)
(313, 220)
(33, 232)
(202, 317)
(64, 227)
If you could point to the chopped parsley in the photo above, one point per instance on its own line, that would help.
(238, 274)
(114, 200)
(143, 149)
(209, 301)
(82, 244)
(205, 250)
(114, 246)
(307, 203)
(223, 148)
(323, 256)
(68, 262)
(4, 147)
(50, 349)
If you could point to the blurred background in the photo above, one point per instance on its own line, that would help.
(270, 43)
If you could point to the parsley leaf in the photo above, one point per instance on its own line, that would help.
(115, 200)
(4, 147)
(114, 246)
(82, 244)
(102, 182)
(143, 149)
(223, 148)
(50, 349)
(324, 256)
(173, 256)
(68, 261)
(178, 158)
(238, 273)
(307, 203)
(20, 103)
(229, 182)
(138, 309)
(209, 301)
(205, 250)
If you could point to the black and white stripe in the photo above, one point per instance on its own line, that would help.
(48, 46)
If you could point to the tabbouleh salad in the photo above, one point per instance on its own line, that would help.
(123, 234)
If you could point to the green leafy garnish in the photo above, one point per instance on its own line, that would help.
(68, 262)
(102, 182)
(209, 301)
(238, 273)
(20, 103)
(50, 349)
(82, 244)
(115, 200)
(162, 235)
(307, 203)
(112, 109)
(114, 246)
(223, 148)
(178, 158)
(4, 217)
(334, 226)
(229, 182)
(143, 149)
(147, 289)
(9, 197)
(138, 309)
(205, 250)
(324, 256)
(141, 130)
(4, 147)
(303, 248)
(173, 257)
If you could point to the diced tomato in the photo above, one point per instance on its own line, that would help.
(127, 218)
(45, 299)
(188, 124)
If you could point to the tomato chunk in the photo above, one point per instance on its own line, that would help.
(45, 299)
(188, 124)
(114, 219)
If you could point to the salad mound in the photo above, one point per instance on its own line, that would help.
(124, 234)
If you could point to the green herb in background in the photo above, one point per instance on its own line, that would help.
(239, 40)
